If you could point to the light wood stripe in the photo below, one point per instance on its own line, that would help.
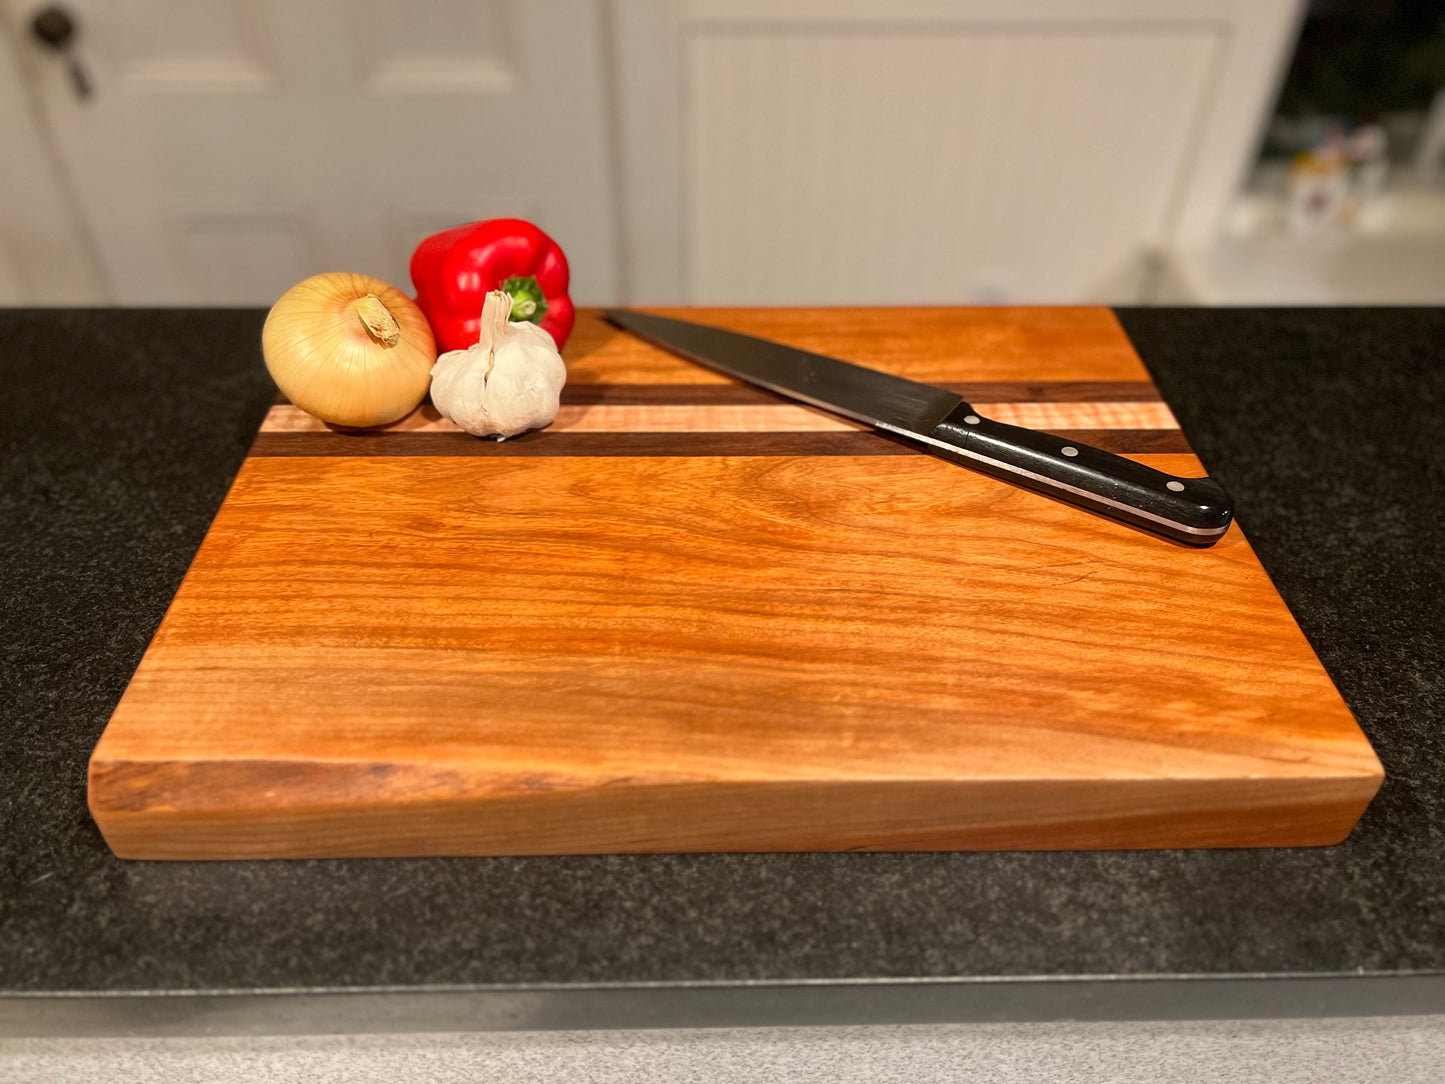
(769, 418)
(1081, 415)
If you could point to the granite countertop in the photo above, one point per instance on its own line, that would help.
(121, 435)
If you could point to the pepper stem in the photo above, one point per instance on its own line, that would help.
(378, 320)
(527, 300)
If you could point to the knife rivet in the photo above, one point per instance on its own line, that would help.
(1177, 487)
(970, 419)
(1069, 450)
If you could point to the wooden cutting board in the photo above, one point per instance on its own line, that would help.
(692, 617)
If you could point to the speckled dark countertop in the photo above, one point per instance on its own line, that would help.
(119, 439)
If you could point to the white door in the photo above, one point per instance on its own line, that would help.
(230, 148)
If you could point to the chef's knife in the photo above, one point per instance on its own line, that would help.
(1195, 511)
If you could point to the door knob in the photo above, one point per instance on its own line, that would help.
(55, 28)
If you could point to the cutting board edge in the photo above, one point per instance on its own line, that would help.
(966, 814)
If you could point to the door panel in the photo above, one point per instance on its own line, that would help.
(232, 147)
(446, 47)
(243, 254)
(956, 165)
(172, 46)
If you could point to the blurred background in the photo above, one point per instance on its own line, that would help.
(213, 152)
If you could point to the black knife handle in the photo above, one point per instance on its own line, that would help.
(1195, 511)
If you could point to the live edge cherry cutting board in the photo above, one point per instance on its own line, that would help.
(691, 616)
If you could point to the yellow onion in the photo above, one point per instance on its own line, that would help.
(349, 349)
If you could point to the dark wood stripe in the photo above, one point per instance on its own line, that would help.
(361, 445)
(1072, 391)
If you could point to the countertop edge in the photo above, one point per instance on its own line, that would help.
(583, 1007)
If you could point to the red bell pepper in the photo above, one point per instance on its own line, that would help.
(454, 270)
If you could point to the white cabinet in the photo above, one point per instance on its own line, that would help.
(928, 151)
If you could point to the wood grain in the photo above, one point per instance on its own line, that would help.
(380, 654)
(978, 391)
(939, 345)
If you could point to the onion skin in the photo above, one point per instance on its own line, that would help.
(325, 359)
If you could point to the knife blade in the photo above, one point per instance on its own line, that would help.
(1194, 511)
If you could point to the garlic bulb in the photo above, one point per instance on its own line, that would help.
(507, 383)
(349, 349)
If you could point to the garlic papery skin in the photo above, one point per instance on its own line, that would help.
(349, 349)
(509, 382)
